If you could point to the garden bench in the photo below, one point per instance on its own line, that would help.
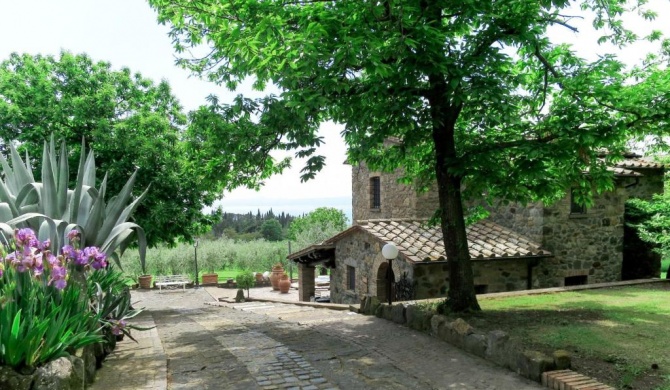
(168, 281)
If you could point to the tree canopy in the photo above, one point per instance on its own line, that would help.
(480, 96)
(130, 122)
(271, 230)
(316, 226)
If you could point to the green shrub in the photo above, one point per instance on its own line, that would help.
(246, 280)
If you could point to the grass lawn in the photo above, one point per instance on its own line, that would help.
(618, 335)
(223, 275)
(227, 274)
(232, 274)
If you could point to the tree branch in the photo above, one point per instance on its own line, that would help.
(559, 22)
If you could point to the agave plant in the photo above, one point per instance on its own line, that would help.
(53, 210)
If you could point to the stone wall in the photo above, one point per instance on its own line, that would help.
(526, 220)
(427, 203)
(397, 200)
(363, 252)
(646, 186)
(432, 278)
(500, 275)
(584, 245)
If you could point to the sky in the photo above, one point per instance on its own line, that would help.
(126, 34)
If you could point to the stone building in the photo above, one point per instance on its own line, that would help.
(517, 247)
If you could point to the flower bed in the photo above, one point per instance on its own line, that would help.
(60, 312)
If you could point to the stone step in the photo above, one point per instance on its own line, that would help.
(570, 380)
(278, 311)
(327, 319)
(252, 307)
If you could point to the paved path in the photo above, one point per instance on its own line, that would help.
(203, 344)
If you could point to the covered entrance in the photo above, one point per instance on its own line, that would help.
(307, 260)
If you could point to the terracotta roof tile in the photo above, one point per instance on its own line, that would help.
(623, 171)
(633, 163)
(417, 241)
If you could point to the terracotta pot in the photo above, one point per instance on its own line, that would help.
(284, 284)
(145, 281)
(210, 279)
(259, 277)
(277, 272)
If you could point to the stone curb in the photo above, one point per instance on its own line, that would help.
(496, 346)
(330, 306)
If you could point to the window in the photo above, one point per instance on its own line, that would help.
(375, 193)
(351, 278)
(576, 280)
(576, 207)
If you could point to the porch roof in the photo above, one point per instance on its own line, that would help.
(418, 242)
(315, 254)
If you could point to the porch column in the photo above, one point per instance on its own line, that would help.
(305, 282)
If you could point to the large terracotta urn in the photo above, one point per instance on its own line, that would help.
(284, 284)
(277, 272)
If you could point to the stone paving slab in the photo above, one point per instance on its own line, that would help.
(140, 365)
(219, 347)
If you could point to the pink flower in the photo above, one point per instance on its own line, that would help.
(53, 260)
(73, 235)
(92, 255)
(58, 275)
(71, 254)
(60, 284)
(25, 237)
(43, 245)
(11, 258)
(118, 326)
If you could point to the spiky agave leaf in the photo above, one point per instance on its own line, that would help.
(53, 210)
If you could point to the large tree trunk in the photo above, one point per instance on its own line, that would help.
(461, 281)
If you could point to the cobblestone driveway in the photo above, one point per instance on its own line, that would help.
(258, 345)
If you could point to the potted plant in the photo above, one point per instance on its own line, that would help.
(144, 279)
(210, 263)
(245, 280)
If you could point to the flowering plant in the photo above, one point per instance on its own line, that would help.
(31, 255)
(42, 316)
(111, 300)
